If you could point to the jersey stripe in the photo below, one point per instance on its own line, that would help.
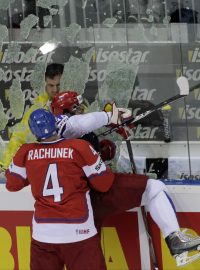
(97, 168)
(21, 171)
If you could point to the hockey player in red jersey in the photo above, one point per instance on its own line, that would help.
(59, 171)
(131, 190)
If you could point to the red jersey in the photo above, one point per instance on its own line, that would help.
(59, 173)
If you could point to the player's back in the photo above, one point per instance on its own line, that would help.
(57, 180)
(59, 173)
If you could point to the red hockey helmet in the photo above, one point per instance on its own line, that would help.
(107, 149)
(66, 102)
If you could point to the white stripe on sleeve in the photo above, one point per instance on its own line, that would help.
(18, 170)
(79, 125)
(97, 168)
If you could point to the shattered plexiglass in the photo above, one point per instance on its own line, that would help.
(88, 55)
(27, 24)
(92, 107)
(4, 118)
(120, 78)
(13, 52)
(109, 22)
(16, 99)
(88, 33)
(30, 54)
(49, 3)
(38, 77)
(47, 19)
(75, 75)
(3, 34)
(70, 33)
(4, 4)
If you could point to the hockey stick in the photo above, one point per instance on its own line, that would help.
(131, 157)
(183, 85)
(151, 246)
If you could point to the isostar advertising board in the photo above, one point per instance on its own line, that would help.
(179, 168)
(155, 82)
(15, 235)
(123, 237)
(118, 244)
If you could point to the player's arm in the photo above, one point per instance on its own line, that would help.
(99, 176)
(16, 173)
(79, 125)
(17, 139)
(21, 132)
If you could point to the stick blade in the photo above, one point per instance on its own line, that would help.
(183, 85)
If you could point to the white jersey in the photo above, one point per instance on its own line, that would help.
(78, 125)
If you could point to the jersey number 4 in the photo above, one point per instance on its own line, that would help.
(51, 185)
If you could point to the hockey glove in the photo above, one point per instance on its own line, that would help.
(118, 116)
(114, 118)
(107, 149)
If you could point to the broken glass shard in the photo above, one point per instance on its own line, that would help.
(13, 52)
(4, 4)
(88, 55)
(27, 24)
(48, 3)
(3, 117)
(16, 99)
(75, 75)
(3, 34)
(120, 77)
(109, 22)
(70, 33)
(38, 77)
(47, 19)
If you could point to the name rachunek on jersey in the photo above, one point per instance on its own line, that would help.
(43, 153)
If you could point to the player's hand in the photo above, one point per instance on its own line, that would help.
(107, 149)
(118, 116)
(114, 117)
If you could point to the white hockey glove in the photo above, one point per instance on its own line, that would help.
(114, 118)
(125, 114)
(118, 116)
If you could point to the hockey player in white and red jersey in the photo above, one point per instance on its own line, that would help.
(59, 171)
(128, 190)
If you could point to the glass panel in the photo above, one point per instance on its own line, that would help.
(160, 139)
(129, 51)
